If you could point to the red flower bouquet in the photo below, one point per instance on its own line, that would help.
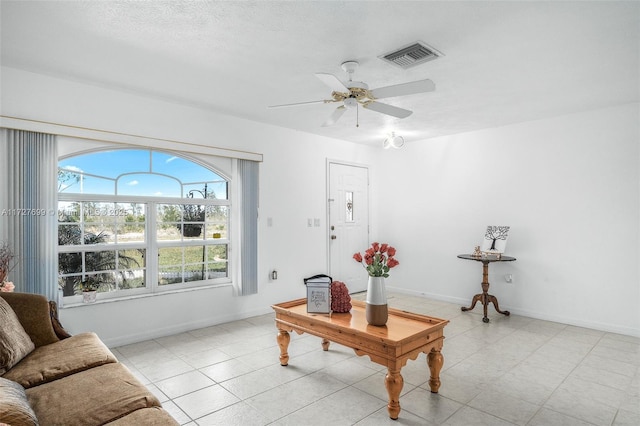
(378, 259)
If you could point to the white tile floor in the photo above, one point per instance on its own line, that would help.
(512, 371)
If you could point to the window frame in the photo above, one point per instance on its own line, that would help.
(151, 243)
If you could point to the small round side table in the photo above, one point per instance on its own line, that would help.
(485, 298)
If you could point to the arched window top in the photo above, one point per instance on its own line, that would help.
(142, 172)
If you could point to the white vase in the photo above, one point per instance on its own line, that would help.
(376, 309)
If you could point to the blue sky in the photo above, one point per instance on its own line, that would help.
(117, 164)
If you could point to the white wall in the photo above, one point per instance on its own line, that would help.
(569, 188)
(292, 189)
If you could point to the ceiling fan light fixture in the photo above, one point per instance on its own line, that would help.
(393, 141)
(351, 102)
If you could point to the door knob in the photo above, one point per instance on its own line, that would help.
(333, 237)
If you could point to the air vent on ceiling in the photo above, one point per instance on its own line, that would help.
(412, 55)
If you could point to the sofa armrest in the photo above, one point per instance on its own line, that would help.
(33, 313)
(55, 322)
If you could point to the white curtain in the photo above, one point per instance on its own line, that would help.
(248, 182)
(29, 209)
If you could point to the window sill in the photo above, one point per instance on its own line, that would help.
(141, 296)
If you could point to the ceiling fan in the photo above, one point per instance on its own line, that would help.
(355, 93)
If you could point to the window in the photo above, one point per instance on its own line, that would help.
(140, 221)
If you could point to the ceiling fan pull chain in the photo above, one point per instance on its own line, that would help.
(357, 115)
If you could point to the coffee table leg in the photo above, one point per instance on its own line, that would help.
(435, 360)
(283, 342)
(394, 382)
(325, 344)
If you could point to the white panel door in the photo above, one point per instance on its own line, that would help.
(348, 223)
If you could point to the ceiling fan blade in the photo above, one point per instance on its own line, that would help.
(403, 89)
(297, 104)
(332, 81)
(388, 109)
(335, 116)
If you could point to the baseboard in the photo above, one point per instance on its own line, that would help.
(183, 327)
(426, 295)
(610, 328)
(194, 325)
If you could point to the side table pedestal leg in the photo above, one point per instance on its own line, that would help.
(485, 298)
(477, 298)
(494, 300)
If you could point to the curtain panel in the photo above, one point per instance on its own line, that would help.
(29, 209)
(248, 181)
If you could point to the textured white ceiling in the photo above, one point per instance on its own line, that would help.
(505, 62)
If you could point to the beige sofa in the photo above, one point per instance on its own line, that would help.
(48, 377)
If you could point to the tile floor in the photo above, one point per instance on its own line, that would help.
(512, 371)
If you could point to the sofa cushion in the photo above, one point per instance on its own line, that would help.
(154, 416)
(34, 314)
(60, 359)
(91, 397)
(15, 343)
(14, 408)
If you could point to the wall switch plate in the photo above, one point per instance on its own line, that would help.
(508, 278)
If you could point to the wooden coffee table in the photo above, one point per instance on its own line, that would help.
(404, 337)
